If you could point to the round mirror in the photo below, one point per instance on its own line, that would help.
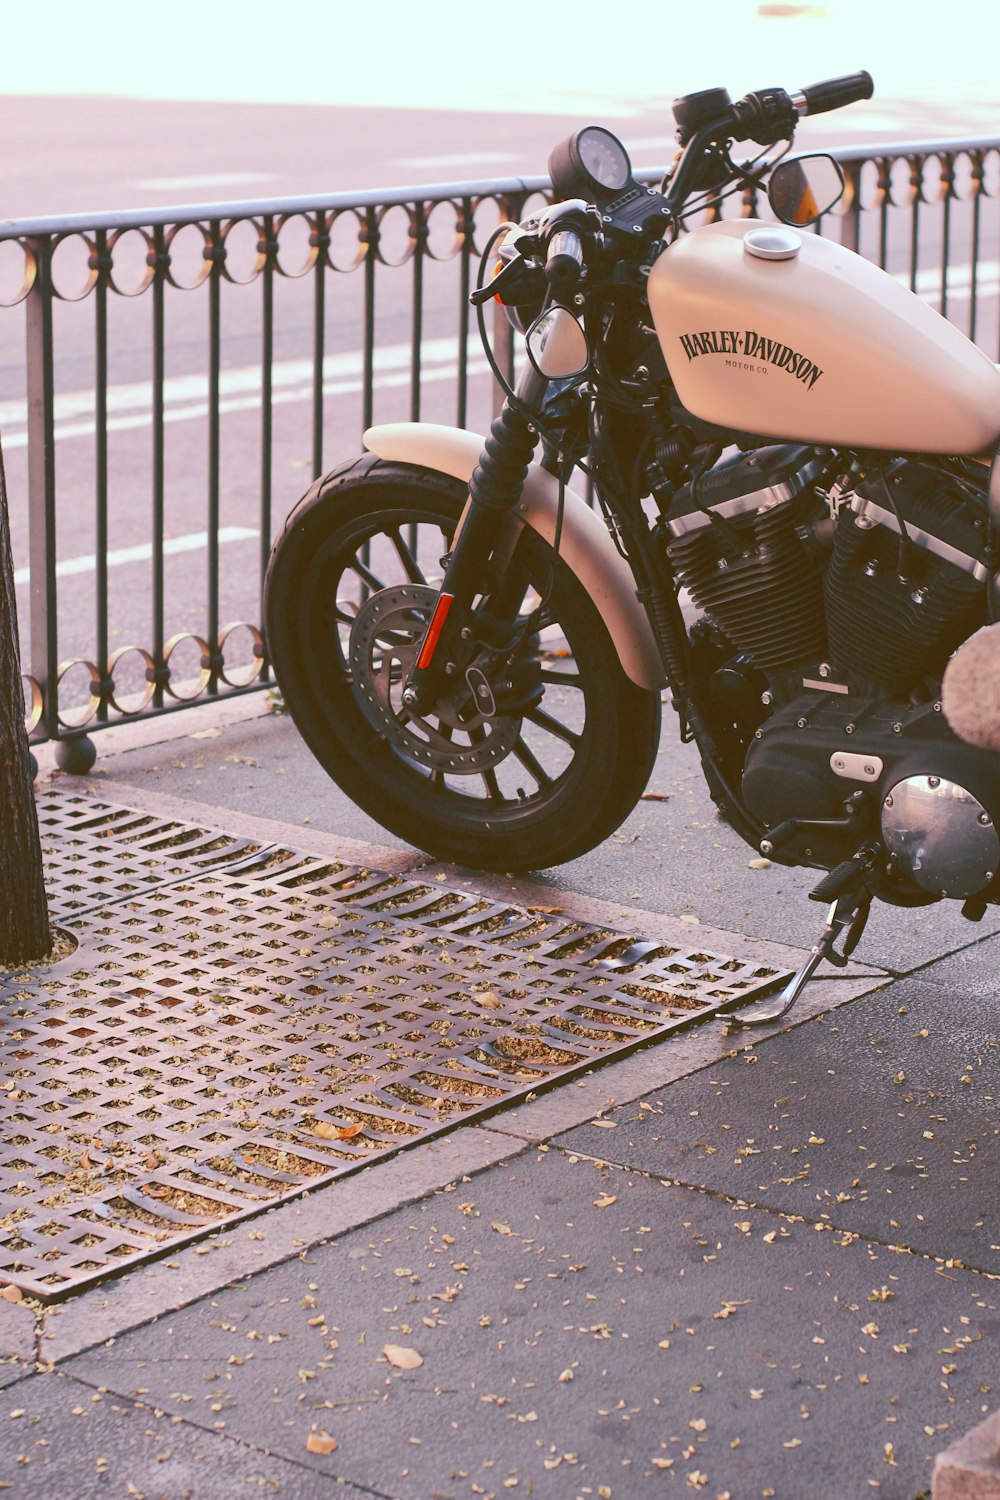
(557, 345)
(801, 190)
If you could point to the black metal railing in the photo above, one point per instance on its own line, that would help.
(187, 372)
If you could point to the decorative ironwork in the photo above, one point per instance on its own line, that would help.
(907, 206)
(237, 1026)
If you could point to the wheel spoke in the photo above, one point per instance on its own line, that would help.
(368, 578)
(562, 679)
(476, 737)
(531, 763)
(552, 726)
(492, 786)
(406, 555)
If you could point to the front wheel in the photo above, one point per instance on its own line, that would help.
(566, 746)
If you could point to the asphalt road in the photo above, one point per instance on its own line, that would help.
(87, 155)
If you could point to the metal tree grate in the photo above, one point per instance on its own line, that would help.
(95, 854)
(228, 1037)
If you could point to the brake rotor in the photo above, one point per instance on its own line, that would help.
(385, 640)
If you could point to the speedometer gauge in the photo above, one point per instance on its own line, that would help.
(603, 156)
(591, 164)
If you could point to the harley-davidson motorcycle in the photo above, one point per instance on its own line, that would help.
(796, 527)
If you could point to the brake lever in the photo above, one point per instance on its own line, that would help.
(511, 272)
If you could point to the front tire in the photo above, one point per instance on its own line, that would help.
(566, 772)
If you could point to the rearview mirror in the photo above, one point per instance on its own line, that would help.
(801, 190)
(557, 345)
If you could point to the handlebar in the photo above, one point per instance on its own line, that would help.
(835, 93)
(767, 116)
(564, 261)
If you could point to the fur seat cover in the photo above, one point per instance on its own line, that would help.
(970, 694)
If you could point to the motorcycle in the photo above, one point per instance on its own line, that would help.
(797, 529)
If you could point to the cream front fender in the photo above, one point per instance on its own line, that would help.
(585, 545)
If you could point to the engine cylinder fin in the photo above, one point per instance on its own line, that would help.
(891, 633)
(768, 599)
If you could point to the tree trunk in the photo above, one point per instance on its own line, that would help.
(24, 912)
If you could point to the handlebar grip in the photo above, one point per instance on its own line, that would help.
(564, 260)
(834, 93)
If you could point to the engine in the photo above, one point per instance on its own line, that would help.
(829, 617)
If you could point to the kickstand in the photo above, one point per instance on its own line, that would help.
(849, 911)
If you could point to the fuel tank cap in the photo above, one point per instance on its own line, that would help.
(772, 243)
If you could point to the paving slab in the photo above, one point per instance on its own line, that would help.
(17, 1331)
(882, 1118)
(582, 1332)
(12, 1370)
(62, 1440)
(970, 1468)
(974, 970)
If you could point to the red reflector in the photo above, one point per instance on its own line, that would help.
(434, 632)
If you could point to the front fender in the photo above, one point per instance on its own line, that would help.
(585, 545)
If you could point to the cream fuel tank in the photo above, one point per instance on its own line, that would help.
(788, 335)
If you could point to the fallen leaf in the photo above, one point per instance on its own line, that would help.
(655, 797)
(488, 1001)
(402, 1359)
(153, 1160)
(565, 1377)
(320, 1442)
(758, 864)
(11, 1294)
(728, 1309)
(606, 1201)
(548, 911)
(328, 1132)
(327, 922)
(204, 734)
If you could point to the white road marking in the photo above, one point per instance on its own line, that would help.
(185, 397)
(196, 541)
(456, 159)
(652, 143)
(210, 179)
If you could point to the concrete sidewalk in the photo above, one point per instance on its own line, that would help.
(715, 1267)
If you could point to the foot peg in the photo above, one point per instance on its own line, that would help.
(847, 914)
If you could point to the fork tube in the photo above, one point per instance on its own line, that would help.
(494, 490)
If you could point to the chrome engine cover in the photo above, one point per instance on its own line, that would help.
(942, 836)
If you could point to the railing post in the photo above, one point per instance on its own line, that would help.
(502, 333)
(851, 221)
(42, 484)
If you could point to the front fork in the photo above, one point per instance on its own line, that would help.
(494, 490)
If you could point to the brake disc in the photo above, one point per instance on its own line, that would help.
(385, 640)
